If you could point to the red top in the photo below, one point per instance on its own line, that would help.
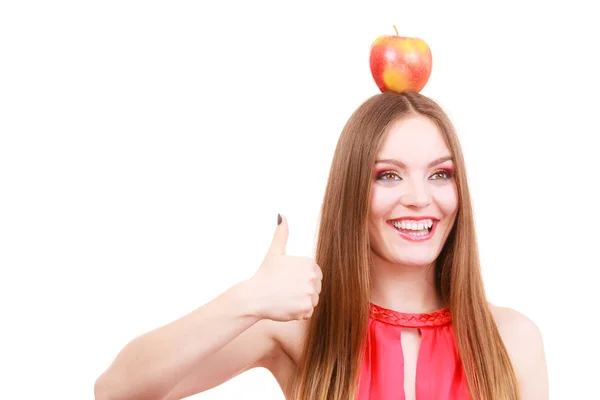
(440, 374)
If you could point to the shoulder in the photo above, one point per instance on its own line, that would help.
(524, 344)
(513, 323)
(520, 335)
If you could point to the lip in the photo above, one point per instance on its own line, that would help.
(410, 238)
(416, 218)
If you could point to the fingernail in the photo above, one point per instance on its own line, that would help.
(279, 219)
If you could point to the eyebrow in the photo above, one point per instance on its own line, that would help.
(402, 165)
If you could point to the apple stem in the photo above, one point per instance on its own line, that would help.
(396, 29)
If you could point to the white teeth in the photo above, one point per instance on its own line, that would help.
(413, 225)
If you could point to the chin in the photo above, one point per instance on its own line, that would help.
(417, 262)
(414, 257)
(408, 256)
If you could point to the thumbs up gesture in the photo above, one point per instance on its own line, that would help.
(287, 287)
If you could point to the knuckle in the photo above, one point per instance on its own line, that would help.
(315, 301)
(318, 271)
(308, 307)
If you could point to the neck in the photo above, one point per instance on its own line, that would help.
(403, 288)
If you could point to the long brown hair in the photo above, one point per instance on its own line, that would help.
(331, 360)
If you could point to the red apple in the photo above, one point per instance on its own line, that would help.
(400, 63)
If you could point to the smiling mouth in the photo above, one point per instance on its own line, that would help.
(415, 230)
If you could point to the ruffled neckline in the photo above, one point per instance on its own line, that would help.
(424, 320)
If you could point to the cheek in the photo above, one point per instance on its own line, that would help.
(382, 202)
(447, 199)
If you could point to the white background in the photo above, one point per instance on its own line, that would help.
(146, 148)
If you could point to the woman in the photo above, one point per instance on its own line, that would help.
(393, 307)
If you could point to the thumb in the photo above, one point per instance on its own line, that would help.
(280, 237)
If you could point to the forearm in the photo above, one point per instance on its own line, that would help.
(150, 365)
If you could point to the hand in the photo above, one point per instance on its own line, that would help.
(287, 287)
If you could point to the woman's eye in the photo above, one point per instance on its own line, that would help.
(391, 176)
(445, 175)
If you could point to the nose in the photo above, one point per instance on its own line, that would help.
(415, 195)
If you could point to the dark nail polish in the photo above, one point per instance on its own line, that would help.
(279, 219)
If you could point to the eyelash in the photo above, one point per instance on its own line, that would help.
(449, 174)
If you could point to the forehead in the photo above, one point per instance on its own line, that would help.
(413, 139)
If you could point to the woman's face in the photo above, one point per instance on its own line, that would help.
(414, 198)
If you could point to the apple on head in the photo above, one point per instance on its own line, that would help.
(400, 63)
